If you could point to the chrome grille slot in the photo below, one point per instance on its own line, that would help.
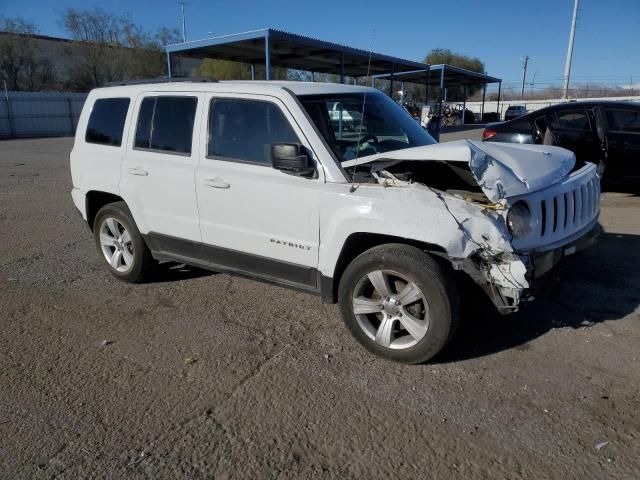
(559, 201)
(568, 209)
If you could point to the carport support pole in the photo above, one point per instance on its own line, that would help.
(169, 66)
(441, 88)
(464, 103)
(342, 68)
(267, 58)
(253, 71)
(313, 76)
(484, 94)
(393, 71)
(498, 106)
(426, 88)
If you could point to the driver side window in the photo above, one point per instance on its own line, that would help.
(244, 130)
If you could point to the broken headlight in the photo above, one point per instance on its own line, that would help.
(519, 219)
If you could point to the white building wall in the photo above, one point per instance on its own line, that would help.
(532, 105)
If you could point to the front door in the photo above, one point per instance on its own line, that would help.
(253, 218)
(623, 141)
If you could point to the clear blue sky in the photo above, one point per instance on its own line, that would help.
(499, 32)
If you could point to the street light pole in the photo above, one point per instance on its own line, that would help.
(184, 22)
(533, 82)
(567, 65)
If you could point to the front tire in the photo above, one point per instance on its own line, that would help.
(399, 303)
(120, 244)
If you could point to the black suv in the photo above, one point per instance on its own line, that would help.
(606, 133)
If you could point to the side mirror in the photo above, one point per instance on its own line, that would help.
(290, 158)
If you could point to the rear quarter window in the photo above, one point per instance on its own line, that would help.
(572, 120)
(624, 121)
(106, 121)
(521, 125)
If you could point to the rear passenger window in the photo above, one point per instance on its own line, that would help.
(625, 121)
(572, 119)
(166, 124)
(521, 126)
(106, 122)
(245, 130)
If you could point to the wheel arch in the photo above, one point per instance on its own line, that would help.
(358, 243)
(95, 200)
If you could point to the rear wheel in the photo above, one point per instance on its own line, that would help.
(120, 244)
(399, 303)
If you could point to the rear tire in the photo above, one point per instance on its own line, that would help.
(120, 244)
(399, 303)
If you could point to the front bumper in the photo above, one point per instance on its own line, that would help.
(512, 278)
(543, 263)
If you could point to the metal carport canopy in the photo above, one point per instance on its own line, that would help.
(443, 76)
(288, 50)
(450, 74)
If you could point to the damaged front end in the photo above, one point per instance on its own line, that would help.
(504, 277)
(538, 209)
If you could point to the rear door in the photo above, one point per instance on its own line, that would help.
(574, 129)
(157, 177)
(623, 140)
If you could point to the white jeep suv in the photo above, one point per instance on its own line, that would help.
(256, 179)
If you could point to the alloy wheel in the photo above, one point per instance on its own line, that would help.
(391, 309)
(116, 245)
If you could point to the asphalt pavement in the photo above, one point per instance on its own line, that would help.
(202, 375)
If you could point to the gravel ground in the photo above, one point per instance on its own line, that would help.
(209, 376)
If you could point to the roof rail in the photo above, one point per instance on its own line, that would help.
(145, 81)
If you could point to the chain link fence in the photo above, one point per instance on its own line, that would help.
(39, 114)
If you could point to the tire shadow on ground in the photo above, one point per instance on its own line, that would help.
(172, 272)
(597, 285)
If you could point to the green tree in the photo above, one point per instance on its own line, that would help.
(222, 70)
(439, 56)
(228, 70)
(444, 55)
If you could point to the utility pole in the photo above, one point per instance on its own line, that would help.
(184, 22)
(524, 75)
(567, 65)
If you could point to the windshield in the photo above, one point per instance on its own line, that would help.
(384, 127)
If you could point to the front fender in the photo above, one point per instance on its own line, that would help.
(411, 211)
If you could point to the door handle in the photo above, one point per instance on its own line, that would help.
(141, 172)
(216, 183)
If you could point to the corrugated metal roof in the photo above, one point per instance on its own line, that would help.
(452, 76)
(291, 50)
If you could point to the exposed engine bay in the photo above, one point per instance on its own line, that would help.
(454, 178)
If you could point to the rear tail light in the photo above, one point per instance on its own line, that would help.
(488, 133)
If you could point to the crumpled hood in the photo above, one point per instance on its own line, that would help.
(502, 170)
